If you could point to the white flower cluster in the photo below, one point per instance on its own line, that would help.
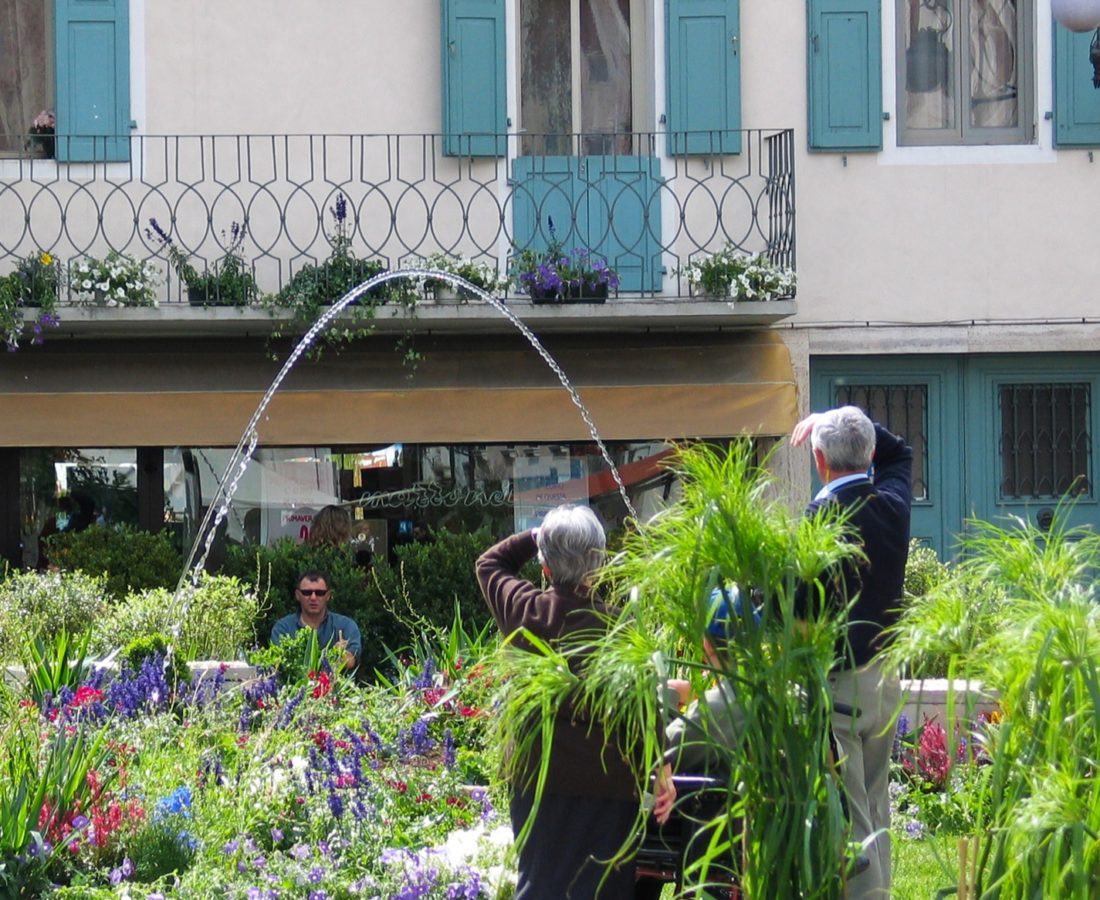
(738, 276)
(480, 274)
(117, 280)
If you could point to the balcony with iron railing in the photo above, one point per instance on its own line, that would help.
(397, 199)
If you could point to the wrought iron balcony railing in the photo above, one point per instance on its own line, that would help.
(623, 198)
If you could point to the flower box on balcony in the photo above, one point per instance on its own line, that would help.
(569, 293)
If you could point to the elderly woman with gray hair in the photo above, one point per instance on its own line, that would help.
(589, 807)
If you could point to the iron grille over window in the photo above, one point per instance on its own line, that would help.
(1044, 440)
(903, 408)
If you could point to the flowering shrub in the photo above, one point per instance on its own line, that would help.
(935, 790)
(117, 280)
(318, 788)
(739, 276)
(34, 604)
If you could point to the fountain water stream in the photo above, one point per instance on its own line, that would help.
(242, 454)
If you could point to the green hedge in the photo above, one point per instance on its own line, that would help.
(129, 559)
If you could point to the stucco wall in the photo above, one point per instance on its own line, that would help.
(909, 235)
(292, 66)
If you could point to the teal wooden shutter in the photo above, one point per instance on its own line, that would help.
(845, 74)
(703, 40)
(1076, 101)
(92, 44)
(474, 93)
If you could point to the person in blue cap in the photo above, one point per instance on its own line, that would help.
(695, 737)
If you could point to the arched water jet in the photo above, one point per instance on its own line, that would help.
(238, 461)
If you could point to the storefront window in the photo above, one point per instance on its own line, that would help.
(398, 493)
(66, 490)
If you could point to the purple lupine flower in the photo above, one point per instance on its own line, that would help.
(335, 803)
(288, 710)
(230, 847)
(160, 232)
(449, 752)
(276, 835)
(899, 733)
(426, 679)
(340, 210)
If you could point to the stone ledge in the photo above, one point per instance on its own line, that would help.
(928, 697)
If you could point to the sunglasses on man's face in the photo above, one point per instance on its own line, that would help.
(313, 592)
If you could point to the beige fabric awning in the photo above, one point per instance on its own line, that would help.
(471, 391)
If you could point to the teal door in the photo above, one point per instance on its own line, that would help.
(1035, 424)
(916, 398)
(994, 437)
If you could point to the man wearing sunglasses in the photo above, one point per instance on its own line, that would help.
(313, 594)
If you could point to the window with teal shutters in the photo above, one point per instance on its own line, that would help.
(704, 76)
(1076, 101)
(845, 75)
(474, 93)
(92, 41)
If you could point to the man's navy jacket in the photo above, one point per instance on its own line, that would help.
(881, 506)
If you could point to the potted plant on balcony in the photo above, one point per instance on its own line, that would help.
(42, 133)
(226, 283)
(559, 277)
(480, 274)
(731, 274)
(116, 280)
(35, 284)
(314, 287)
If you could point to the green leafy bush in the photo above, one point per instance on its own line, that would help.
(36, 604)
(143, 648)
(923, 572)
(216, 620)
(435, 576)
(129, 559)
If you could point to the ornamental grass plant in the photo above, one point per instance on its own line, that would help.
(1033, 641)
(726, 529)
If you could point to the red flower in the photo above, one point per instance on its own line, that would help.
(932, 757)
(324, 684)
(432, 696)
(469, 711)
(424, 798)
(85, 695)
(321, 738)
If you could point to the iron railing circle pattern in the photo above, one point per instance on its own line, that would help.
(405, 200)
